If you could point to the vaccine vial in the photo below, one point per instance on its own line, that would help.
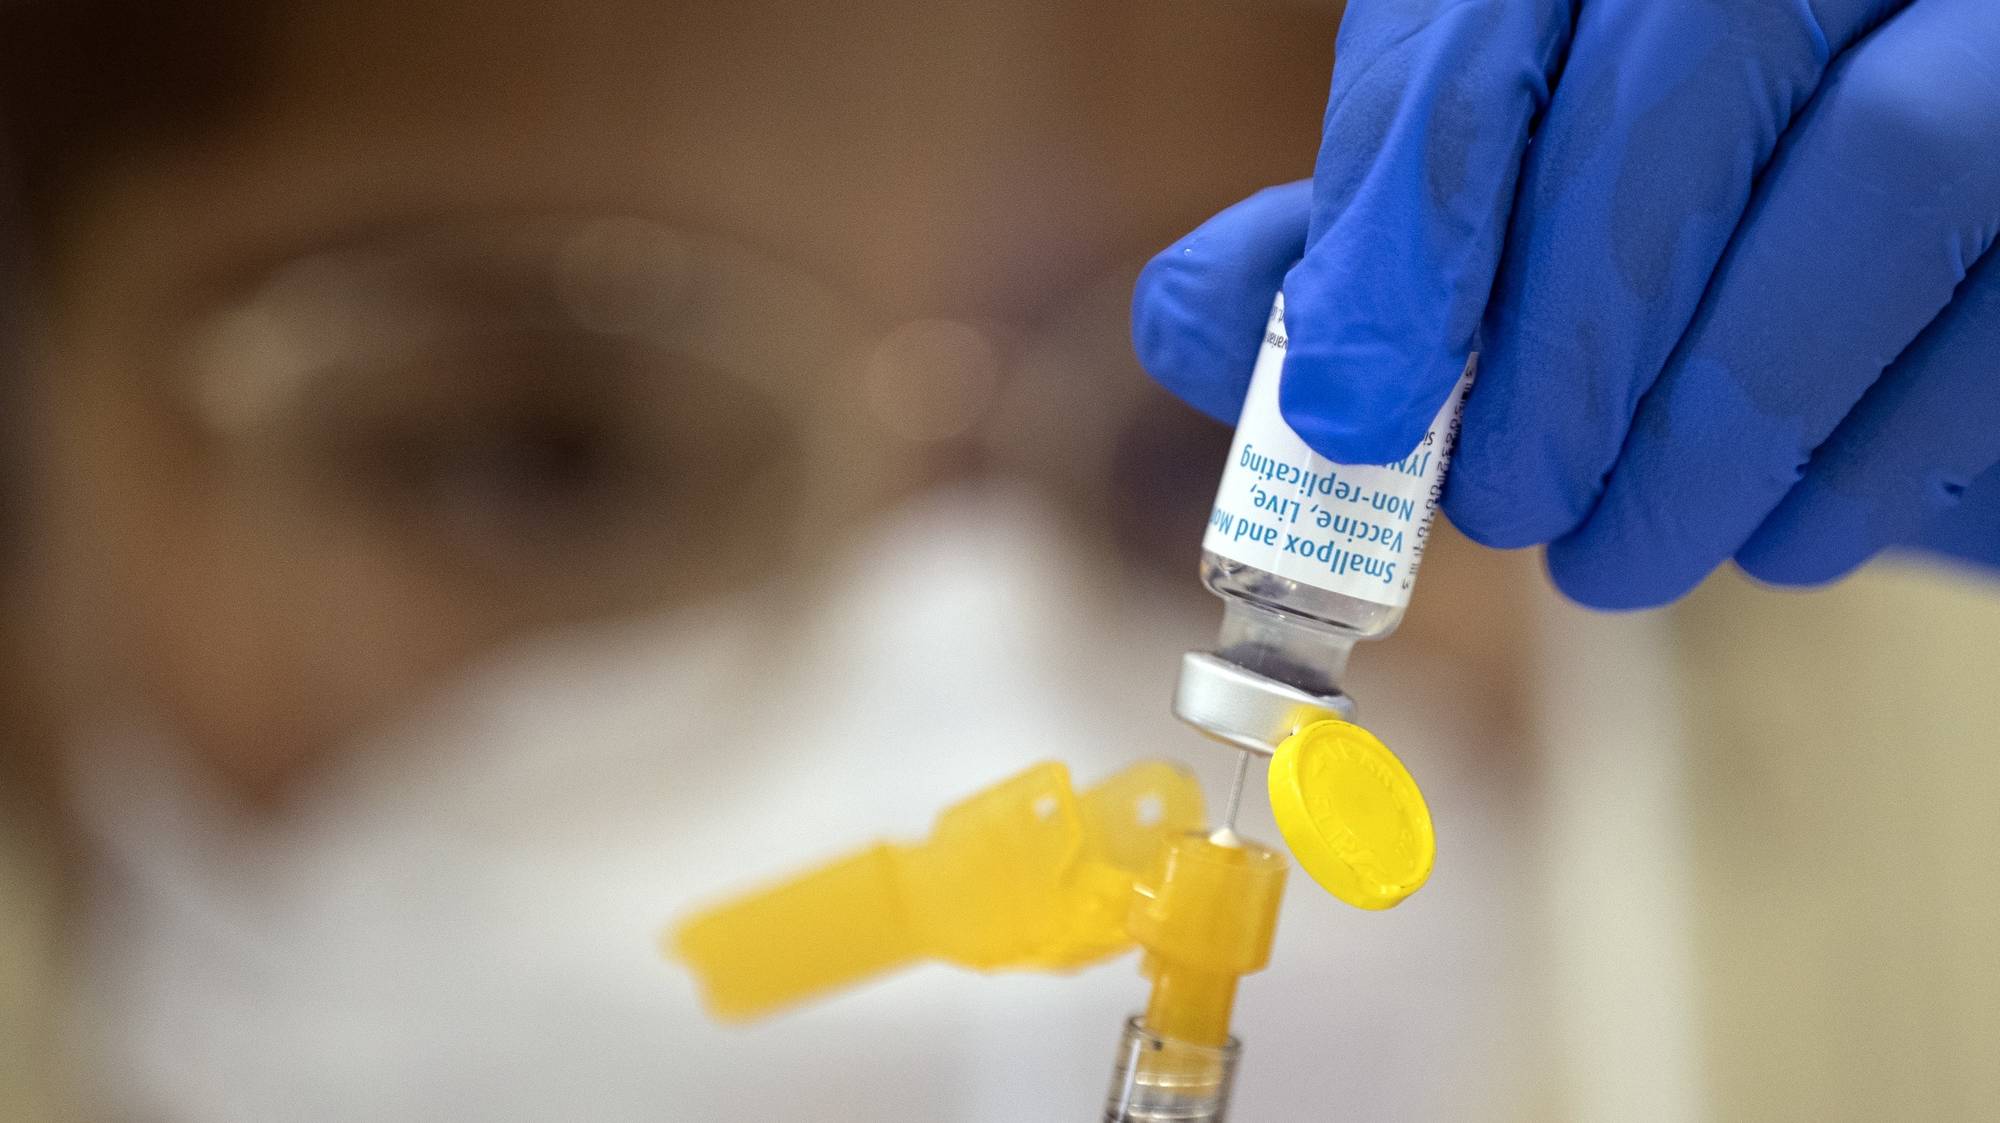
(1309, 557)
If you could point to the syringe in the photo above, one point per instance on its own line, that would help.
(1205, 917)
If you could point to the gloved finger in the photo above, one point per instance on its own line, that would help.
(1903, 457)
(1969, 532)
(1639, 174)
(1199, 311)
(1875, 207)
(1431, 106)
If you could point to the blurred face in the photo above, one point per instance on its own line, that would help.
(449, 330)
(458, 322)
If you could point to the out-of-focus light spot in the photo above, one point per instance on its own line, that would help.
(932, 380)
(248, 369)
(257, 360)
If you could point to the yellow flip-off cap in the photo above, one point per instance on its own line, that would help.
(1351, 814)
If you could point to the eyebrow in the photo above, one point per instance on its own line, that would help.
(708, 300)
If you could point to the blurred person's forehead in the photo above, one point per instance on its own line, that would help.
(883, 146)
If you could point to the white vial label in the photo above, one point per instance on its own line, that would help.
(1357, 530)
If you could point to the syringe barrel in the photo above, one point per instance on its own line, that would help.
(1161, 1080)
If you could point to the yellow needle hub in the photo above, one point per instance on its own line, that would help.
(1205, 914)
(1351, 814)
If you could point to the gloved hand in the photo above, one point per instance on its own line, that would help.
(1726, 262)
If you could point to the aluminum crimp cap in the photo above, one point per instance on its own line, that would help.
(1246, 709)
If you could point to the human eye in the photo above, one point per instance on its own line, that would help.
(454, 409)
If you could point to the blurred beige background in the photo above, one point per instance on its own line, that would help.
(1842, 769)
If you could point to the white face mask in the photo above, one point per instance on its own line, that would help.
(460, 921)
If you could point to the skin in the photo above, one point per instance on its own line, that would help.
(269, 598)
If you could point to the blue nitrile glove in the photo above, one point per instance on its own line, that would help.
(1726, 262)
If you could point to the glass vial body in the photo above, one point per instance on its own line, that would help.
(1271, 637)
(1339, 613)
(1310, 556)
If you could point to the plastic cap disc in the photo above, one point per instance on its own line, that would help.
(1351, 814)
